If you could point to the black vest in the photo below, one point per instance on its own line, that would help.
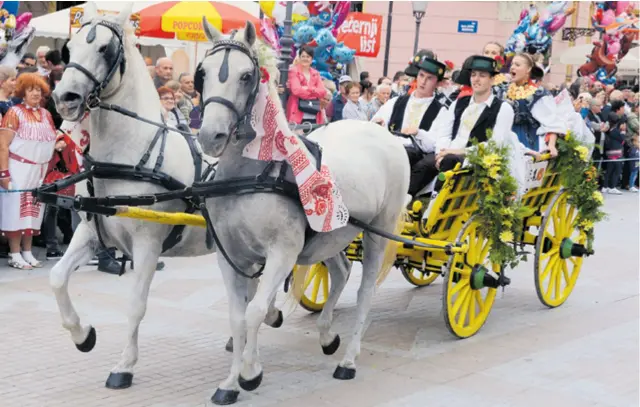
(487, 119)
(397, 115)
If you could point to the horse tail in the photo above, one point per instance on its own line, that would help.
(296, 288)
(391, 249)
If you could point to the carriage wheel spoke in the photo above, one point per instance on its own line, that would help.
(552, 281)
(465, 308)
(316, 287)
(459, 286)
(565, 272)
(310, 276)
(548, 268)
(558, 277)
(480, 301)
(548, 254)
(459, 301)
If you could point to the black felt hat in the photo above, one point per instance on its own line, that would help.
(412, 70)
(432, 66)
(476, 63)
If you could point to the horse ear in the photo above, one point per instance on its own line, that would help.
(250, 33)
(125, 14)
(210, 31)
(90, 12)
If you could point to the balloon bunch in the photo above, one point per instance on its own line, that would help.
(316, 24)
(535, 30)
(615, 20)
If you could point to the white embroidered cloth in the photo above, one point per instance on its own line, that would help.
(319, 195)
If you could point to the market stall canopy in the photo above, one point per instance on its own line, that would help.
(183, 19)
(57, 25)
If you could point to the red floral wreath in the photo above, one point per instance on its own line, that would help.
(264, 75)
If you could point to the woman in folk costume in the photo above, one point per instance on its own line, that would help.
(495, 50)
(470, 117)
(536, 123)
(27, 141)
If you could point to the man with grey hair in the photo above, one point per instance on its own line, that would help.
(383, 94)
(41, 60)
(164, 71)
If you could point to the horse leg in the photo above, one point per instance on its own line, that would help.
(277, 267)
(79, 252)
(274, 316)
(339, 268)
(237, 291)
(373, 257)
(146, 256)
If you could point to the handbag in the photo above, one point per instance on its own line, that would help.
(311, 106)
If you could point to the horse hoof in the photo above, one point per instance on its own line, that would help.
(344, 373)
(250, 385)
(119, 381)
(224, 397)
(331, 348)
(88, 343)
(279, 321)
(229, 346)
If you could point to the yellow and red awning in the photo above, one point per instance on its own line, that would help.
(183, 19)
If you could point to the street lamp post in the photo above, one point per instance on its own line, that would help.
(419, 8)
(286, 42)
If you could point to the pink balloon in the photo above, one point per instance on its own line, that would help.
(22, 21)
(621, 6)
(340, 12)
(608, 17)
(556, 23)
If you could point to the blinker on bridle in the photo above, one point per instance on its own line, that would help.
(242, 118)
(114, 51)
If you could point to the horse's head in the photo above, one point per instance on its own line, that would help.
(227, 78)
(95, 62)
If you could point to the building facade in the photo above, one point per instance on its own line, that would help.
(440, 31)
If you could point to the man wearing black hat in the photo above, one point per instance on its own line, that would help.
(414, 115)
(471, 116)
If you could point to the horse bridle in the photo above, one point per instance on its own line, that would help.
(113, 53)
(240, 128)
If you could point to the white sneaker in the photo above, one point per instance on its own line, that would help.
(614, 191)
(605, 190)
(633, 189)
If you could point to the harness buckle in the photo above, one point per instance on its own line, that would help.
(93, 101)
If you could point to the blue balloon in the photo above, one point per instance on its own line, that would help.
(11, 7)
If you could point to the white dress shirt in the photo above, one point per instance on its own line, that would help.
(413, 114)
(470, 116)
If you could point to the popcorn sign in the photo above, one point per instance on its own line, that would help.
(76, 13)
(362, 32)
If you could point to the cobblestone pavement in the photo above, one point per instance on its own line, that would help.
(584, 353)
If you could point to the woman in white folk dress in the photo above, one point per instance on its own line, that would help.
(27, 142)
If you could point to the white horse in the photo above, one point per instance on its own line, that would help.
(103, 53)
(369, 165)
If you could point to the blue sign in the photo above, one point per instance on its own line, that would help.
(468, 26)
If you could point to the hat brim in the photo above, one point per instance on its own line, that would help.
(537, 73)
(412, 71)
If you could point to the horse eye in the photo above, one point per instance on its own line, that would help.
(102, 49)
(246, 77)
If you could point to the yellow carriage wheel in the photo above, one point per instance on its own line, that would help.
(417, 277)
(559, 249)
(316, 287)
(467, 300)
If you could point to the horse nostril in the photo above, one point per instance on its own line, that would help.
(220, 136)
(71, 97)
